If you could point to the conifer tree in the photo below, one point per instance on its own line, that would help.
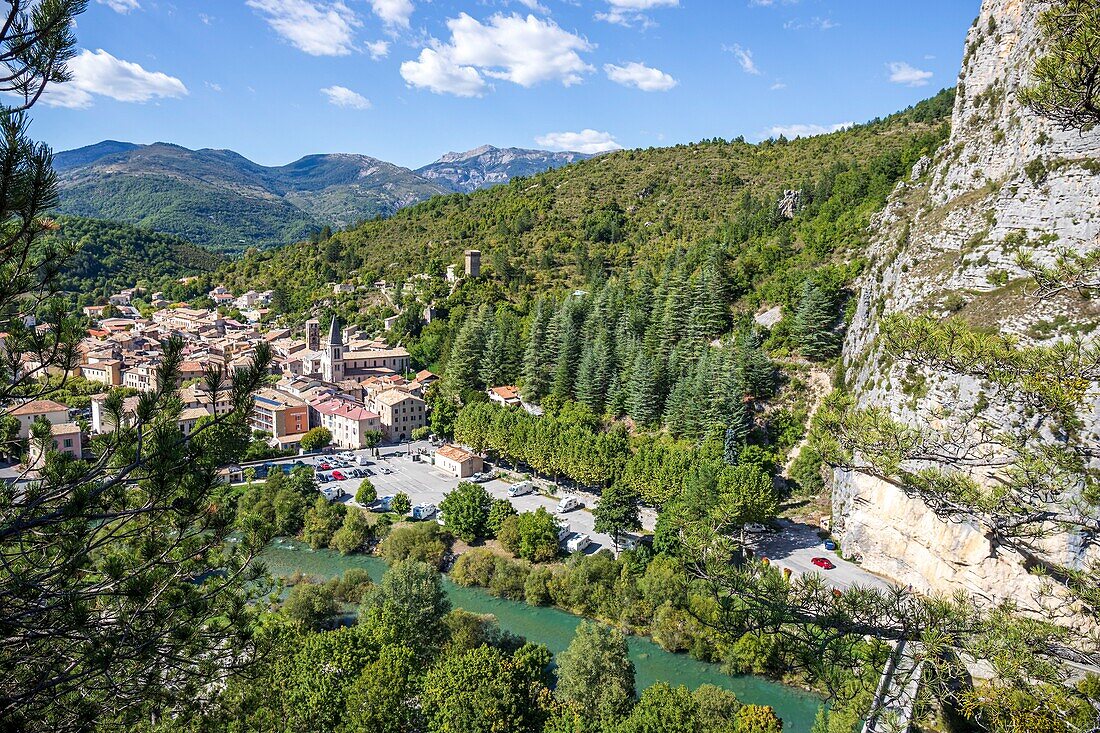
(644, 398)
(814, 323)
(467, 351)
(570, 342)
(537, 356)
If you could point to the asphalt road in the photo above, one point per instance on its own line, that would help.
(795, 545)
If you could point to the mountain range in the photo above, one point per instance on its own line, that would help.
(223, 201)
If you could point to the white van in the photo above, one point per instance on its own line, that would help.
(564, 531)
(523, 487)
(568, 504)
(578, 542)
(423, 511)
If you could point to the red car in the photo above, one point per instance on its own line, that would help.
(823, 562)
(338, 476)
(324, 467)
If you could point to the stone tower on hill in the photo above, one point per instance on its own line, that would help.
(332, 360)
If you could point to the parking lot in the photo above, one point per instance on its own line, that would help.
(795, 545)
(395, 471)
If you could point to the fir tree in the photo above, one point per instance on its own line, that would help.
(644, 398)
(814, 321)
(536, 374)
(466, 354)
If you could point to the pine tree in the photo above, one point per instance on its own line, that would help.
(570, 342)
(708, 313)
(466, 353)
(644, 398)
(814, 321)
(537, 356)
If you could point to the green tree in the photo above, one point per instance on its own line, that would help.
(1064, 78)
(466, 511)
(401, 504)
(758, 719)
(745, 494)
(617, 511)
(321, 522)
(595, 673)
(538, 355)
(644, 399)
(407, 608)
(531, 535)
(315, 439)
(383, 697)
(814, 323)
(366, 494)
(499, 510)
(313, 605)
(482, 691)
(663, 709)
(717, 709)
(466, 353)
(353, 533)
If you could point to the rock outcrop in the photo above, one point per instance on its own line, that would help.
(946, 245)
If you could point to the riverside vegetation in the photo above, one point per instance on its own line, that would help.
(141, 564)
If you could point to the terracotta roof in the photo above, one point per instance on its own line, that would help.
(345, 409)
(506, 392)
(64, 428)
(39, 407)
(454, 453)
(424, 375)
(393, 396)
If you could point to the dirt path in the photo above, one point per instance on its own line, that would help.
(820, 386)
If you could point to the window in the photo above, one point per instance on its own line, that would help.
(68, 442)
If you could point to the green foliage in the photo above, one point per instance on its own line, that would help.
(401, 504)
(499, 511)
(112, 256)
(758, 719)
(366, 494)
(663, 709)
(483, 691)
(379, 698)
(311, 604)
(531, 535)
(422, 541)
(814, 323)
(353, 534)
(595, 674)
(617, 511)
(466, 511)
(321, 522)
(315, 439)
(408, 607)
(1064, 77)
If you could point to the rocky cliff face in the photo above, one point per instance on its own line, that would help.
(489, 166)
(946, 245)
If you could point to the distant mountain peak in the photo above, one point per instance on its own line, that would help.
(489, 165)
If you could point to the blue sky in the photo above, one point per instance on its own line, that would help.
(407, 80)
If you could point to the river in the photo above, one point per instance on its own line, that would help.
(555, 628)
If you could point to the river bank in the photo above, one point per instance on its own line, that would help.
(555, 628)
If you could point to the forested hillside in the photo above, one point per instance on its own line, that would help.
(112, 256)
(626, 210)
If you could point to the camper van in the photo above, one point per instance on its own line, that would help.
(568, 504)
(520, 489)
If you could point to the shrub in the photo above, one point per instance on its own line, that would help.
(423, 541)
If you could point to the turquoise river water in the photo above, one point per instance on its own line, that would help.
(554, 628)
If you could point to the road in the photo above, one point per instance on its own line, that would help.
(424, 483)
(795, 545)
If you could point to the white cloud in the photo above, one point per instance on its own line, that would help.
(213, 86)
(344, 97)
(585, 141)
(793, 131)
(903, 73)
(770, 3)
(534, 5)
(628, 12)
(317, 28)
(206, 19)
(816, 23)
(121, 6)
(777, 86)
(435, 72)
(524, 51)
(393, 12)
(101, 74)
(744, 57)
(640, 76)
(378, 49)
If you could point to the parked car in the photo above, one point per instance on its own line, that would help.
(830, 545)
(385, 470)
(424, 511)
(568, 504)
(755, 528)
(823, 562)
(323, 478)
(523, 487)
(325, 466)
(577, 542)
(338, 476)
(439, 518)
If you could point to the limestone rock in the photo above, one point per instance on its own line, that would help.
(945, 245)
